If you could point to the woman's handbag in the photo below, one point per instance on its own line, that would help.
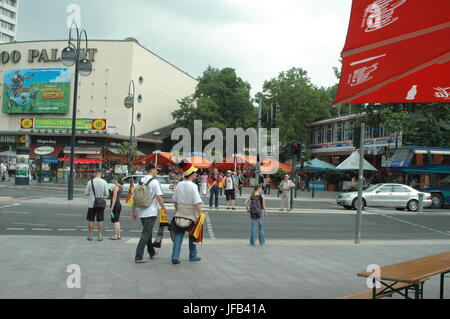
(98, 202)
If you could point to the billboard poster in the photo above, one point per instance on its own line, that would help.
(36, 91)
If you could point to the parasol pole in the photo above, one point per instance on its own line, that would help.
(360, 184)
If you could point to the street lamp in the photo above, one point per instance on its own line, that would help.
(129, 104)
(74, 55)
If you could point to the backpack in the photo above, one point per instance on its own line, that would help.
(142, 197)
(255, 208)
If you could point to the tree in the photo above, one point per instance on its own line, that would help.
(125, 148)
(298, 103)
(221, 99)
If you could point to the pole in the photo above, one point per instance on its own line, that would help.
(258, 158)
(360, 184)
(74, 120)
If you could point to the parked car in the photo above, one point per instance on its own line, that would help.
(167, 186)
(398, 196)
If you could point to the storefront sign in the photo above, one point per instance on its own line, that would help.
(27, 123)
(99, 125)
(37, 91)
(44, 55)
(62, 124)
(44, 150)
(8, 139)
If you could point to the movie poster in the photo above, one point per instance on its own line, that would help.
(37, 91)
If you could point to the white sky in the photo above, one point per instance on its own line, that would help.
(258, 38)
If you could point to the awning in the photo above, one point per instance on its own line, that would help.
(81, 160)
(396, 51)
(428, 169)
(351, 163)
(47, 151)
(81, 150)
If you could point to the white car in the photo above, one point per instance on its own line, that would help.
(398, 196)
(167, 186)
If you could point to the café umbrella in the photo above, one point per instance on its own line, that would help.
(351, 163)
(396, 51)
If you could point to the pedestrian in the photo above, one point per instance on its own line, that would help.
(220, 183)
(204, 183)
(188, 206)
(285, 188)
(213, 181)
(96, 189)
(230, 191)
(2, 171)
(116, 207)
(66, 174)
(148, 214)
(257, 211)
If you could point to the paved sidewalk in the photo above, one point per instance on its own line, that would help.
(35, 267)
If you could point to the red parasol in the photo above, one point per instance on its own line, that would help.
(396, 51)
(272, 166)
(199, 162)
(236, 161)
(158, 158)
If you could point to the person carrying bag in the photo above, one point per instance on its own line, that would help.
(257, 214)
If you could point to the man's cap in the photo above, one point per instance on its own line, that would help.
(187, 168)
(228, 171)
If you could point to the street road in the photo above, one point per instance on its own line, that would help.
(34, 211)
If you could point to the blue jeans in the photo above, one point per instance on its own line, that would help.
(177, 246)
(214, 191)
(257, 222)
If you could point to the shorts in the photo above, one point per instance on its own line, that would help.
(95, 212)
(229, 194)
(116, 211)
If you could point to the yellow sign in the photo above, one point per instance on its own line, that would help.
(99, 125)
(26, 123)
(22, 139)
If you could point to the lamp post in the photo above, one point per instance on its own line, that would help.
(73, 54)
(129, 104)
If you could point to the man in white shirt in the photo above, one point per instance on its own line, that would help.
(148, 215)
(100, 187)
(230, 191)
(188, 205)
(2, 171)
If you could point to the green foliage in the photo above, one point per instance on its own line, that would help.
(333, 177)
(278, 177)
(125, 148)
(298, 102)
(221, 99)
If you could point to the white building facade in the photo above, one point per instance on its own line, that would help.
(37, 94)
(8, 20)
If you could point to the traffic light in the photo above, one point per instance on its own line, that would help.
(298, 150)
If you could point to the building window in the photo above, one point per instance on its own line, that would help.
(6, 38)
(6, 25)
(8, 13)
(339, 131)
(319, 134)
(329, 133)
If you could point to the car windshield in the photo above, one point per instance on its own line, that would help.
(163, 180)
(372, 188)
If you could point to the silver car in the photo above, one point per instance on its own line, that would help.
(398, 196)
(167, 186)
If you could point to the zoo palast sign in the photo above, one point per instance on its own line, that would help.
(33, 55)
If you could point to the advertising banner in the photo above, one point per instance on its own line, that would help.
(62, 124)
(36, 91)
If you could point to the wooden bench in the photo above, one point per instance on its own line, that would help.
(410, 274)
(368, 294)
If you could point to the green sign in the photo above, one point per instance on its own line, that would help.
(62, 124)
(37, 91)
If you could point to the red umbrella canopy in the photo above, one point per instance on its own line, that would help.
(396, 51)
(162, 158)
(199, 162)
(272, 166)
(241, 161)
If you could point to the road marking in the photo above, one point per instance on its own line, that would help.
(416, 225)
(28, 224)
(38, 229)
(209, 226)
(64, 229)
(12, 205)
(78, 215)
(15, 228)
(12, 212)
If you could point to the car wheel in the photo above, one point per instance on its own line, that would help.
(436, 200)
(347, 207)
(413, 205)
(355, 203)
(400, 208)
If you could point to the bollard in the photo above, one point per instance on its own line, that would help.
(420, 208)
(312, 194)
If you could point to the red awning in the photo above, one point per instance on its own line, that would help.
(81, 160)
(396, 51)
(160, 158)
(45, 151)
